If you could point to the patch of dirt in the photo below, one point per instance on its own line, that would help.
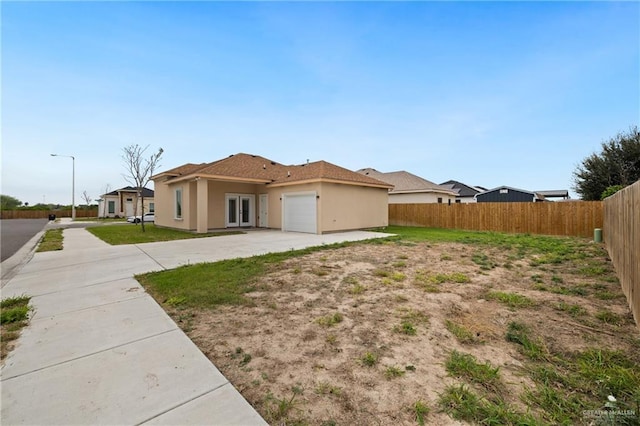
(282, 347)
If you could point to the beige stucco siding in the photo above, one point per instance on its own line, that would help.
(420, 198)
(217, 203)
(274, 216)
(147, 204)
(165, 205)
(192, 211)
(103, 205)
(339, 207)
(345, 207)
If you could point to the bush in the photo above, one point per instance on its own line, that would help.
(14, 309)
(610, 191)
(18, 313)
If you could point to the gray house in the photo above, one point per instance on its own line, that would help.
(507, 194)
(465, 193)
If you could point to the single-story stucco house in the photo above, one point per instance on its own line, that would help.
(411, 189)
(125, 202)
(246, 190)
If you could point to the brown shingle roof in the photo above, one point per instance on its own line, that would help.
(326, 171)
(185, 169)
(244, 166)
(256, 168)
(406, 182)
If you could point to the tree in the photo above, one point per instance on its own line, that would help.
(140, 170)
(610, 191)
(617, 164)
(86, 197)
(107, 189)
(8, 202)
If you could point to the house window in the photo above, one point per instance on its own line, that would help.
(129, 199)
(504, 191)
(152, 207)
(179, 203)
(112, 207)
(440, 200)
(458, 201)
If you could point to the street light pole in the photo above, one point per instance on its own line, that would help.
(73, 183)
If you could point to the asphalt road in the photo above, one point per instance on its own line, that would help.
(14, 233)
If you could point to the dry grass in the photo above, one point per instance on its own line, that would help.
(355, 345)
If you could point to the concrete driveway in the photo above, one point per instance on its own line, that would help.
(100, 350)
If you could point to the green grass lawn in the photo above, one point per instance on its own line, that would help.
(206, 285)
(549, 250)
(191, 285)
(562, 383)
(132, 234)
(524, 243)
(51, 241)
(14, 315)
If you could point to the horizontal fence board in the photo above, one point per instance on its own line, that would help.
(571, 218)
(622, 239)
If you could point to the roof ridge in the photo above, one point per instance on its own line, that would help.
(510, 187)
(256, 167)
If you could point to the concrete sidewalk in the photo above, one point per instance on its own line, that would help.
(100, 350)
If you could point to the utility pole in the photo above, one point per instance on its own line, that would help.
(73, 183)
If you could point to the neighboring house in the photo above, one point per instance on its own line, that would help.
(125, 202)
(245, 190)
(556, 193)
(506, 194)
(466, 193)
(409, 188)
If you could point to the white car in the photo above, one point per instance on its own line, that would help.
(148, 217)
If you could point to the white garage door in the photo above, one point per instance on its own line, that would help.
(299, 212)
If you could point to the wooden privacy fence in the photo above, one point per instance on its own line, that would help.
(571, 218)
(622, 238)
(43, 214)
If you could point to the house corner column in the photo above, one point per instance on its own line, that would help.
(202, 217)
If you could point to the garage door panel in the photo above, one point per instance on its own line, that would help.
(299, 213)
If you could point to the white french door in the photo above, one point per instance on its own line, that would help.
(263, 211)
(128, 207)
(239, 210)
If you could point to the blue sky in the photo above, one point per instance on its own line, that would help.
(505, 93)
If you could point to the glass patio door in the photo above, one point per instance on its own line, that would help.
(232, 211)
(239, 210)
(245, 211)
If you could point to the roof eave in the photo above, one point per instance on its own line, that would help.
(195, 176)
(161, 174)
(328, 180)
